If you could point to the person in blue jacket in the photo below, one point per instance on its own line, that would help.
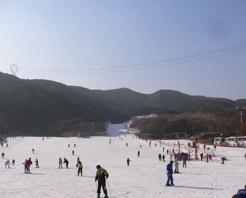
(170, 174)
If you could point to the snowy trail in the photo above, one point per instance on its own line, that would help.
(145, 177)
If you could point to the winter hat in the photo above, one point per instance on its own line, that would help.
(98, 166)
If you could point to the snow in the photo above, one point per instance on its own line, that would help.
(144, 178)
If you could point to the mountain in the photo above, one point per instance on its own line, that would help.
(38, 107)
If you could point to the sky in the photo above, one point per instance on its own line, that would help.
(196, 47)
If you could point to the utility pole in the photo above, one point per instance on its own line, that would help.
(241, 108)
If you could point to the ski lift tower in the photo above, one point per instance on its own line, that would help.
(241, 108)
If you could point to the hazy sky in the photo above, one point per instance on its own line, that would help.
(193, 46)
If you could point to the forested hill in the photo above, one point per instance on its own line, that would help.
(39, 107)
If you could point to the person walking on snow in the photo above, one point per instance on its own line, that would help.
(128, 161)
(60, 163)
(80, 167)
(101, 174)
(170, 174)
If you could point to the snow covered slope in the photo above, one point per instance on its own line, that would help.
(144, 178)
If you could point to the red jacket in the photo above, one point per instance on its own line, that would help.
(29, 162)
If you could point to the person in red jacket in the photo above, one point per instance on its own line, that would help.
(28, 163)
(128, 161)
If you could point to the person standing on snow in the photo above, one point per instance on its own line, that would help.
(7, 164)
(101, 174)
(163, 158)
(13, 162)
(201, 155)
(184, 158)
(80, 167)
(159, 156)
(36, 162)
(176, 165)
(128, 161)
(60, 162)
(170, 174)
(29, 163)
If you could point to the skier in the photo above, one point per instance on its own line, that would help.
(184, 158)
(138, 153)
(66, 162)
(167, 151)
(13, 162)
(74, 145)
(78, 159)
(149, 143)
(29, 163)
(60, 163)
(163, 158)
(110, 141)
(72, 152)
(68, 145)
(223, 160)
(176, 165)
(100, 176)
(3, 154)
(128, 161)
(32, 150)
(80, 166)
(7, 164)
(201, 155)
(159, 156)
(170, 174)
(163, 149)
(36, 162)
(126, 144)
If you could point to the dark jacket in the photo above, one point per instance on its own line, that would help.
(169, 168)
(101, 174)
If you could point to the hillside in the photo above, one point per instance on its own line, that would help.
(38, 107)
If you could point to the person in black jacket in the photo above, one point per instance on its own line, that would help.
(100, 177)
(66, 162)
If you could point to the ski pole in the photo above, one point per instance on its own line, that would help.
(109, 188)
